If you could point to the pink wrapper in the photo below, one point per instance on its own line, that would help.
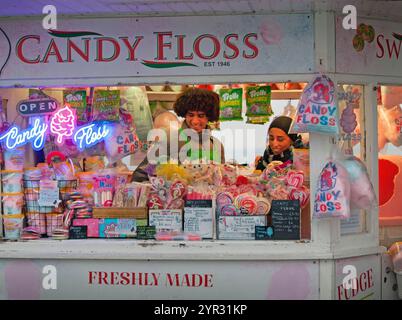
(38, 221)
(53, 221)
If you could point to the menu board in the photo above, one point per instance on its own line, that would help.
(239, 227)
(198, 218)
(285, 219)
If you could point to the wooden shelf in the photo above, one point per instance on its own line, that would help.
(169, 96)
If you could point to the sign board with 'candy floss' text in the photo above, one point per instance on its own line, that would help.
(122, 48)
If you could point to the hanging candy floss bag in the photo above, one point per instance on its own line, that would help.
(317, 111)
(123, 139)
(333, 192)
(362, 195)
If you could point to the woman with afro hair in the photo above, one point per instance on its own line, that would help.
(198, 107)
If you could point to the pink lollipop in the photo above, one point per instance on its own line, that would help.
(177, 189)
(228, 210)
(279, 193)
(302, 194)
(157, 182)
(176, 204)
(223, 199)
(295, 178)
(263, 206)
(155, 202)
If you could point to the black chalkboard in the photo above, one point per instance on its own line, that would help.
(264, 233)
(286, 219)
(78, 232)
(146, 232)
(198, 204)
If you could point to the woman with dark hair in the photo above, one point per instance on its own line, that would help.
(281, 143)
(197, 107)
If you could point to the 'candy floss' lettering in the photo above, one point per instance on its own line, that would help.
(35, 135)
(90, 135)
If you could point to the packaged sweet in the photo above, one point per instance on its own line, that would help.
(362, 195)
(258, 101)
(94, 163)
(53, 221)
(11, 180)
(38, 221)
(231, 103)
(332, 197)
(13, 226)
(106, 104)
(317, 111)
(122, 142)
(12, 203)
(14, 159)
(64, 170)
(104, 187)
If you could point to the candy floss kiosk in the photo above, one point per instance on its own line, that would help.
(108, 53)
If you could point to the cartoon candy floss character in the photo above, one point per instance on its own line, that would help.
(348, 118)
(327, 180)
(62, 124)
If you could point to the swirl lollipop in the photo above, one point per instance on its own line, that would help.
(155, 202)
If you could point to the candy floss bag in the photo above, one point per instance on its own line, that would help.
(362, 195)
(332, 197)
(317, 111)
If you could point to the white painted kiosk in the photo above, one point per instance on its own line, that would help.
(124, 51)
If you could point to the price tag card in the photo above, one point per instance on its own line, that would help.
(146, 232)
(49, 195)
(198, 218)
(78, 232)
(166, 219)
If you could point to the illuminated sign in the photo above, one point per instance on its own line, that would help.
(89, 135)
(62, 124)
(14, 137)
(27, 108)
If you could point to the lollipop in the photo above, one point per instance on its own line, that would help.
(157, 182)
(176, 204)
(263, 206)
(155, 202)
(223, 199)
(246, 203)
(177, 189)
(295, 178)
(228, 210)
(302, 194)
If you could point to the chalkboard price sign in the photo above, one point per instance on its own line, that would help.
(264, 232)
(146, 232)
(286, 219)
(78, 232)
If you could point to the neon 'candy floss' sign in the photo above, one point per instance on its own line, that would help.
(14, 137)
(62, 124)
(89, 135)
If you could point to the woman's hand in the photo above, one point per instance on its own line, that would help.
(257, 159)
